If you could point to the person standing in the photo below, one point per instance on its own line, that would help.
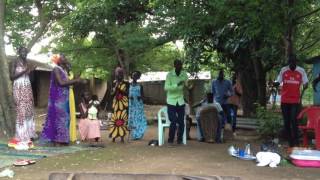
(137, 122)
(118, 126)
(23, 97)
(174, 85)
(291, 77)
(222, 90)
(56, 127)
(234, 101)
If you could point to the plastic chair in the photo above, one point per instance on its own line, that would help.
(313, 124)
(164, 122)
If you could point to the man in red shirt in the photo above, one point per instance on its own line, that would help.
(291, 77)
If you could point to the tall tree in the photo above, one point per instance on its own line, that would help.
(250, 37)
(7, 111)
(24, 23)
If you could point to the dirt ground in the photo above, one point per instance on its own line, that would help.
(137, 157)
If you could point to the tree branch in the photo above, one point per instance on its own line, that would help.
(306, 39)
(311, 44)
(43, 24)
(308, 14)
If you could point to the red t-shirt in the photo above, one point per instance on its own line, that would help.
(291, 82)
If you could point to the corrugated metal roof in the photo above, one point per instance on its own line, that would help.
(40, 65)
(161, 76)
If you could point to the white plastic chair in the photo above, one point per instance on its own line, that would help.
(164, 122)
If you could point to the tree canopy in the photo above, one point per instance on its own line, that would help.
(252, 38)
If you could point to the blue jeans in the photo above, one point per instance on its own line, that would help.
(233, 112)
(227, 113)
(176, 116)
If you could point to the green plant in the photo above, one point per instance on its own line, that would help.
(270, 122)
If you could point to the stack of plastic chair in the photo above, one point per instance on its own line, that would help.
(313, 124)
(164, 122)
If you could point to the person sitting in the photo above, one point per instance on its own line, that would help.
(205, 103)
(89, 125)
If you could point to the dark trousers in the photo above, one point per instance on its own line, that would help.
(234, 109)
(176, 116)
(218, 137)
(289, 113)
(227, 113)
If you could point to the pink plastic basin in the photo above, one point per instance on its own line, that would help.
(305, 158)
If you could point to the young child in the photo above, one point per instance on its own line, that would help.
(89, 125)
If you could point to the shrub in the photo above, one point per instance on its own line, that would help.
(270, 122)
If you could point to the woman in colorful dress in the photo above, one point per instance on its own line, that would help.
(56, 128)
(23, 97)
(137, 122)
(118, 126)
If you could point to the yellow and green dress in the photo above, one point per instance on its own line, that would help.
(118, 126)
(73, 119)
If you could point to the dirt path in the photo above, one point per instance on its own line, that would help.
(136, 157)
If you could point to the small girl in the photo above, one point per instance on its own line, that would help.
(89, 125)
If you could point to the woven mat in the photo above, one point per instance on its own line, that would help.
(9, 155)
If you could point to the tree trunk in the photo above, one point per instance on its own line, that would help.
(7, 108)
(289, 35)
(260, 77)
(249, 89)
(123, 62)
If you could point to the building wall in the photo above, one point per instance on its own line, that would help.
(40, 85)
(154, 92)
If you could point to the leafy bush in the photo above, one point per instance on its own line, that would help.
(270, 122)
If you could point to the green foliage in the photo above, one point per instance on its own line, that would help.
(158, 59)
(270, 122)
(28, 21)
(102, 34)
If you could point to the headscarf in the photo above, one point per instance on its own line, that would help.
(56, 59)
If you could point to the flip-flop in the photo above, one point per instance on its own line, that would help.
(31, 162)
(20, 162)
(23, 162)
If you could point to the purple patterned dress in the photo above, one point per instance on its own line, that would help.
(56, 128)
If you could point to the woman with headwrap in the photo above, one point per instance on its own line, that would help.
(118, 127)
(56, 128)
(23, 98)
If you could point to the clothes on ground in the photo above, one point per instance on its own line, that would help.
(56, 127)
(23, 98)
(137, 122)
(268, 158)
(118, 126)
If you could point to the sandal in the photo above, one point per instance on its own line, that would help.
(31, 162)
(20, 162)
(23, 162)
